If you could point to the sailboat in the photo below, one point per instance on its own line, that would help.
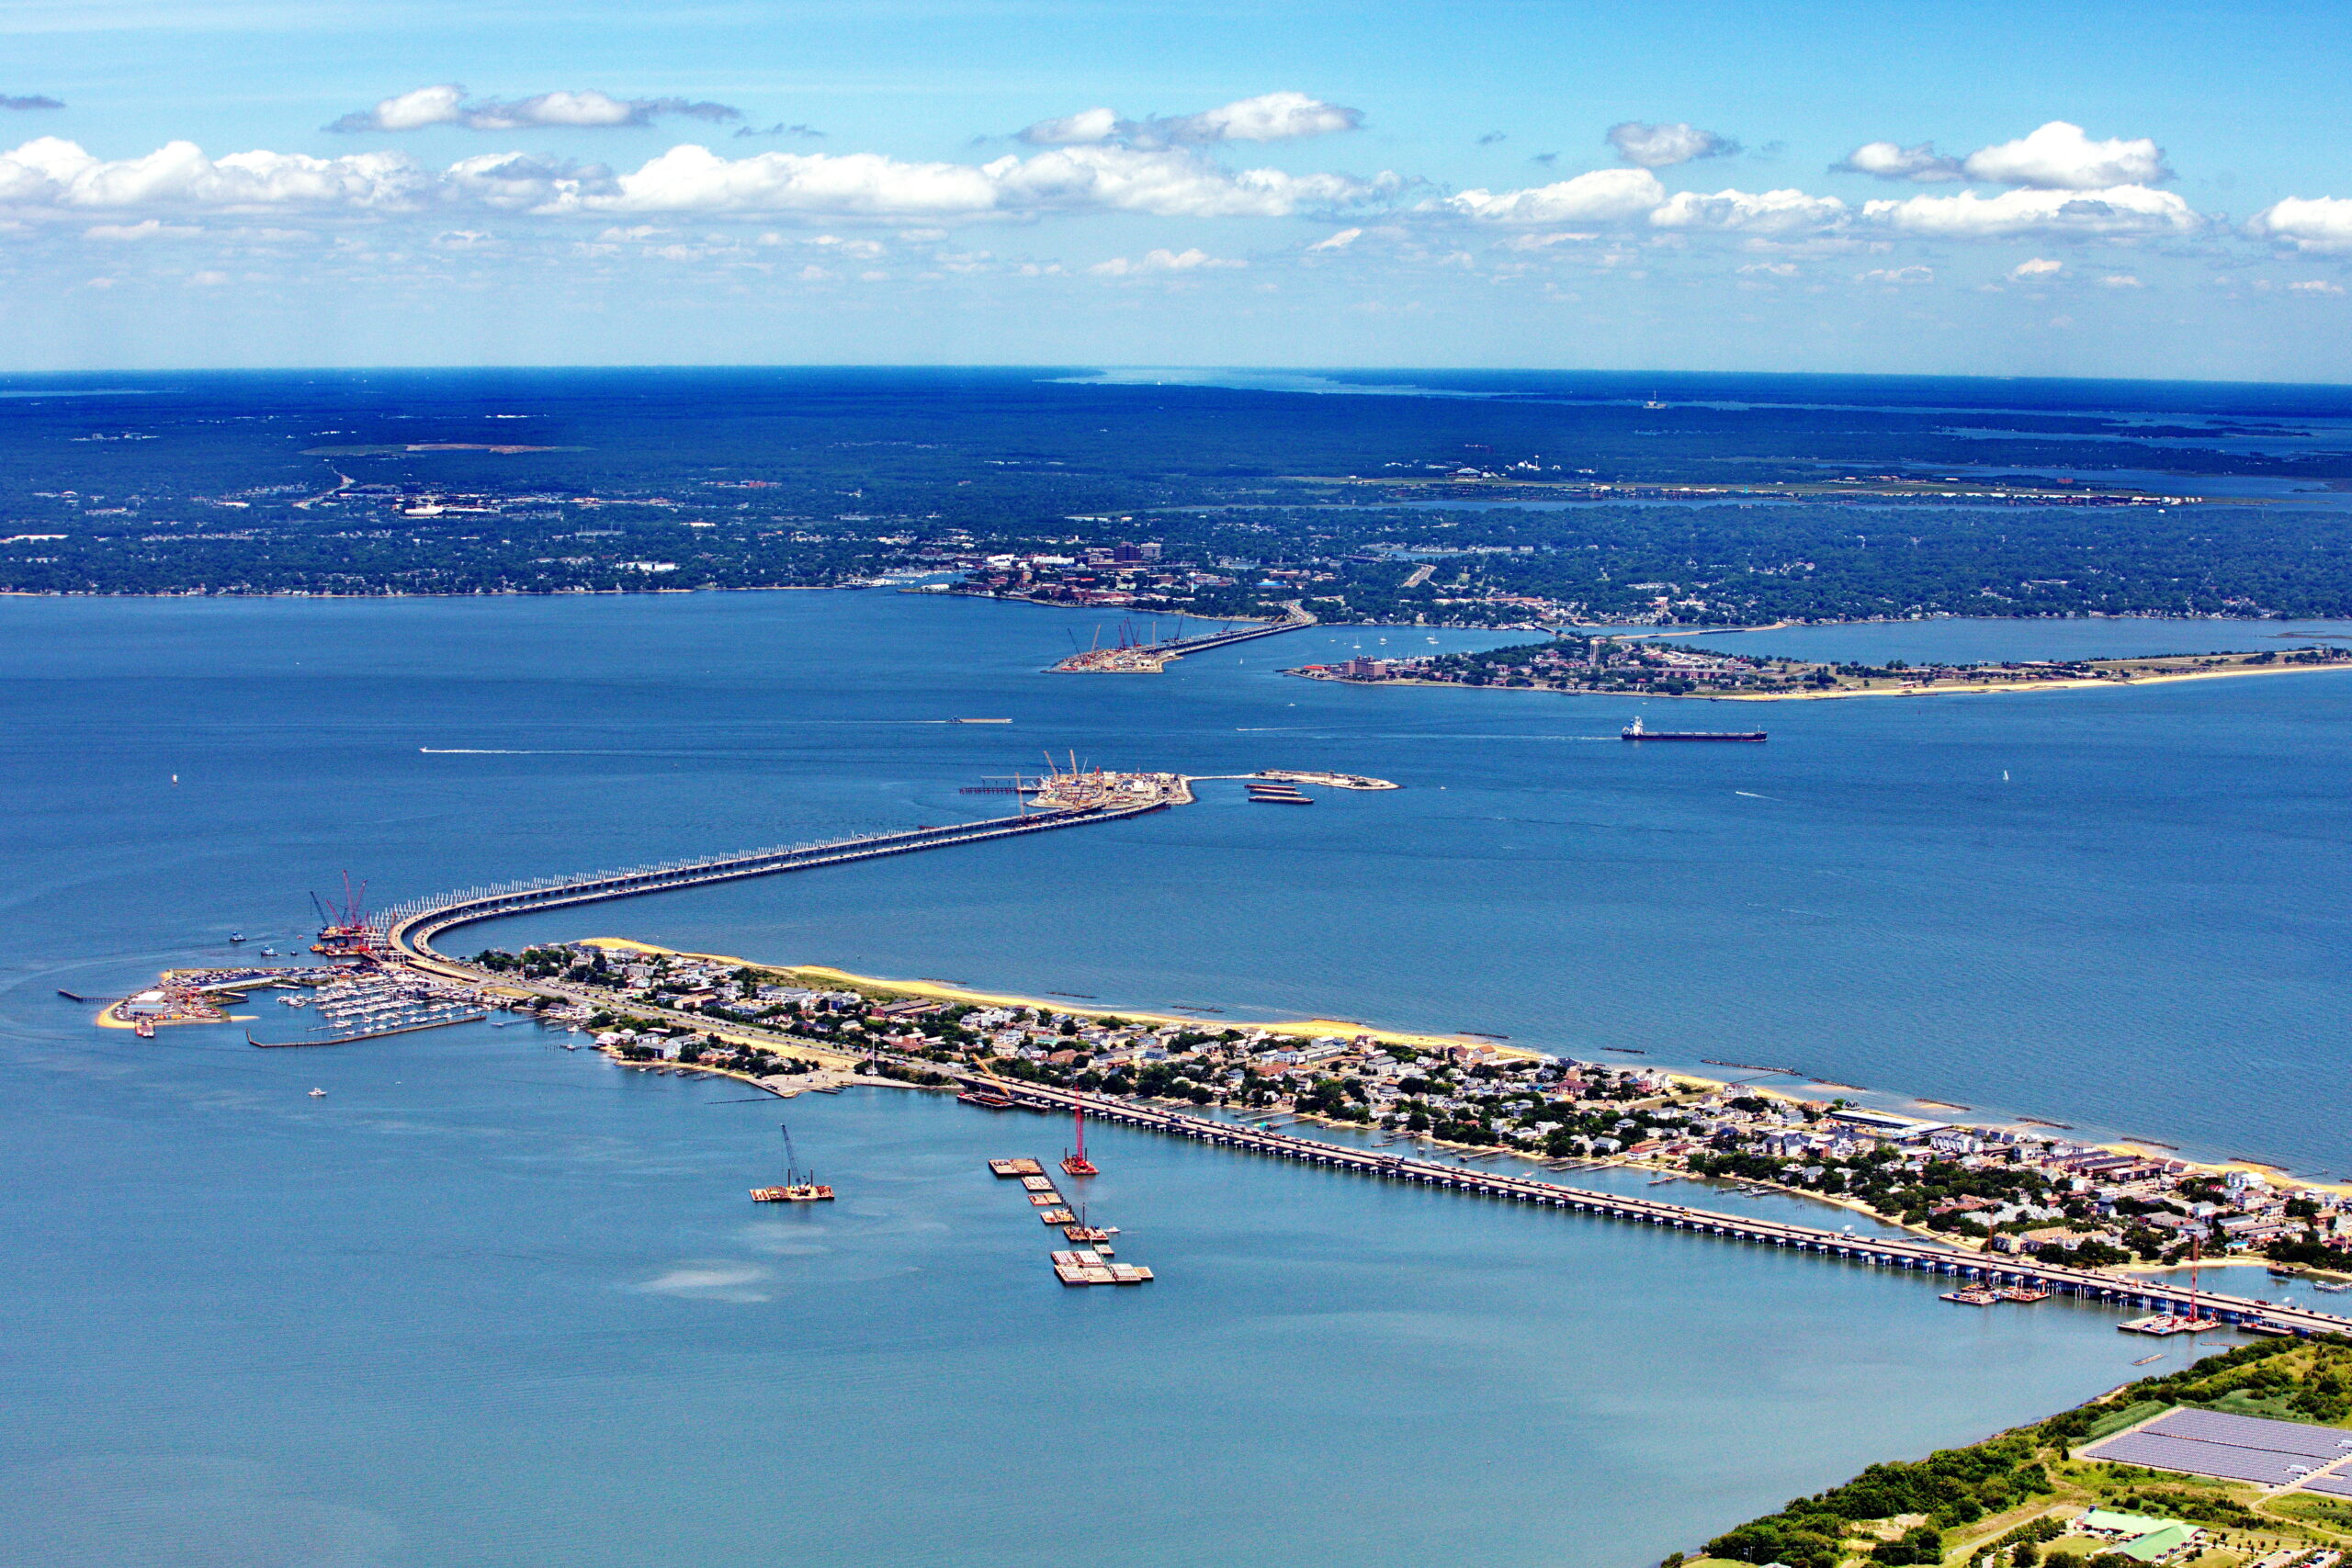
(1076, 1164)
(800, 1186)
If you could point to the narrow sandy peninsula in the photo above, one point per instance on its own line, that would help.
(1617, 665)
(2021, 1186)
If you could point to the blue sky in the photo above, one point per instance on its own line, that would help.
(2152, 189)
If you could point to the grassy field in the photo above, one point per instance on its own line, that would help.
(2005, 1502)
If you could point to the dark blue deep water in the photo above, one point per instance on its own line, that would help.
(490, 1303)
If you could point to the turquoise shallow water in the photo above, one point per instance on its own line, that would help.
(489, 1302)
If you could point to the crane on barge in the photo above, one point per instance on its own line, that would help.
(800, 1186)
(343, 929)
(1075, 1163)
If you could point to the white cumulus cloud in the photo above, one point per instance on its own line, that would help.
(1885, 159)
(54, 173)
(2122, 210)
(2062, 156)
(2321, 225)
(1082, 129)
(448, 103)
(1604, 195)
(2034, 268)
(1634, 196)
(152, 229)
(1169, 183)
(1658, 146)
(1898, 274)
(59, 176)
(1338, 242)
(1270, 117)
(54, 176)
(1163, 261)
(1769, 212)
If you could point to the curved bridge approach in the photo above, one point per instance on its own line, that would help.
(410, 928)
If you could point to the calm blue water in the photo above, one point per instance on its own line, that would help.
(490, 1302)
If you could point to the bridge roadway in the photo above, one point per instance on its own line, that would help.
(1298, 619)
(1980, 1267)
(411, 928)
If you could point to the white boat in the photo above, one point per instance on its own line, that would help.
(318, 1094)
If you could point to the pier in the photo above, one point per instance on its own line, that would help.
(410, 928)
(1996, 1273)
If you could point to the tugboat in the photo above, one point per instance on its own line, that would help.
(800, 1186)
(236, 936)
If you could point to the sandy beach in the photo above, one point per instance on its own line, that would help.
(1991, 688)
(938, 990)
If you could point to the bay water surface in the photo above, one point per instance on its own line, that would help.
(491, 1301)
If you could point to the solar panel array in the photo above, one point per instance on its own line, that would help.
(2227, 1460)
(2336, 1485)
(2252, 1432)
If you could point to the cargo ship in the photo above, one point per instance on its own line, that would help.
(1635, 731)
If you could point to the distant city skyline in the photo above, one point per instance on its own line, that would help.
(2155, 190)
